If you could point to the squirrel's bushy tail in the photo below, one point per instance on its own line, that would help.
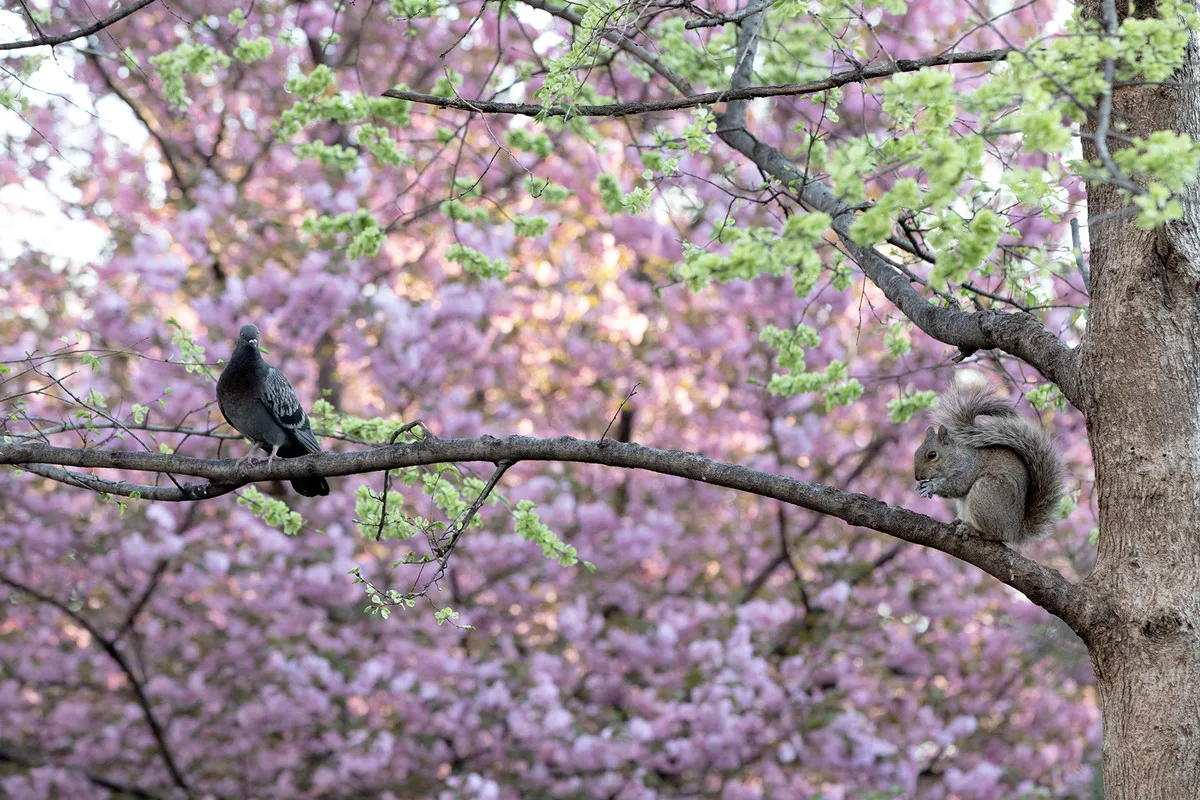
(959, 407)
(1009, 430)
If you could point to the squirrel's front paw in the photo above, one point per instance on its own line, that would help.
(927, 488)
(961, 529)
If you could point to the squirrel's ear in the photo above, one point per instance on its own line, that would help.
(929, 432)
(943, 434)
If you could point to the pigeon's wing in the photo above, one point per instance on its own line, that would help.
(224, 413)
(280, 399)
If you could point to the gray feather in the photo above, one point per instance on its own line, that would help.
(280, 399)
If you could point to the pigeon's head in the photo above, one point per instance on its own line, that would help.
(249, 335)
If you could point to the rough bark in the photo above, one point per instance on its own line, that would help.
(1140, 377)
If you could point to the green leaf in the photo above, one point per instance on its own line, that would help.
(270, 510)
(184, 60)
(477, 263)
(903, 408)
(530, 528)
(248, 51)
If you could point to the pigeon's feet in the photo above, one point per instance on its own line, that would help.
(255, 456)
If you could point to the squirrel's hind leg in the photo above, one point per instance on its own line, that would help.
(995, 508)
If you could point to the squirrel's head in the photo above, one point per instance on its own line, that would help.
(927, 458)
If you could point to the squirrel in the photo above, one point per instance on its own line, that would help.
(1005, 474)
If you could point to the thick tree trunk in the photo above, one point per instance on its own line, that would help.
(1140, 373)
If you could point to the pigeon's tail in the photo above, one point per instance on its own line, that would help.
(309, 487)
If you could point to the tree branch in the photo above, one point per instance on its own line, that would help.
(98, 25)
(1042, 585)
(706, 98)
(109, 647)
(620, 40)
(12, 753)
(753, 7)
(131, 616)
(1019, 334)
(749, 31)
(168, 494)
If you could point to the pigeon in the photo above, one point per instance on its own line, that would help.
(261, 405)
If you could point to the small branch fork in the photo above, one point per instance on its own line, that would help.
(1044, 586)
(784, 556)
(463, 522)
(442, 546)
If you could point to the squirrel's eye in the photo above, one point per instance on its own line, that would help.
(932, 455)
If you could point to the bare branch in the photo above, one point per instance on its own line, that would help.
(98, 25)
(620, 408)
(387, 476)
(749, 30)
(756, 583)
(13, 753)
(168, 494)
(110, 648)
(65, 427)
(1042, 585)
(999, 298)
(868, 456)
(160, 569)
(858, 577)
(707, 98)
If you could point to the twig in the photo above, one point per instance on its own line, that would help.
(170, 494)
(460, 526)
(464, 519)
(970, 287)
(617, 413)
